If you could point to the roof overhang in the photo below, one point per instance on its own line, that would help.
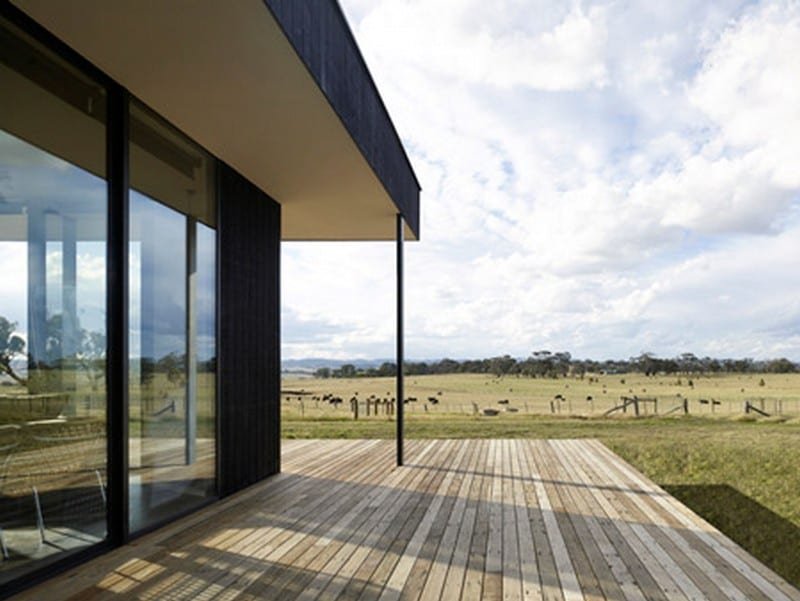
(227, 75)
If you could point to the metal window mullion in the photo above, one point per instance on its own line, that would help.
(117, 173)
(191, 340)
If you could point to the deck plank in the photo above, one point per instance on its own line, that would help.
(392, 553)
(548, 573)
(769, 583)
(434, 585)
(529, 569)
(463, 519)
(545, 491)
(604, 583)
(703, 573)
(459, 563)
(476, 563)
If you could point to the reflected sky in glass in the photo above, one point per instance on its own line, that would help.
(30, 176)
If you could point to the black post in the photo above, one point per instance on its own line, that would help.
(400, 392)
(117, 314)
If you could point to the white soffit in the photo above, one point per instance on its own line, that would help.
(225, 74)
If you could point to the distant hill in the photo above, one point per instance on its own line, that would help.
(314, 363)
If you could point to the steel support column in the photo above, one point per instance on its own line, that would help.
(400, 391)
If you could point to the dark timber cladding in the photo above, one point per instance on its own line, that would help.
(249, 336)
(321, 36)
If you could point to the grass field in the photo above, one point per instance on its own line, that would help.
(458, 393)
(740, 473)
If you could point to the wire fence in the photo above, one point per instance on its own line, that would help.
(307, 408)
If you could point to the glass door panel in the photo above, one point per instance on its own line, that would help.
(53, 212)
(172, 408)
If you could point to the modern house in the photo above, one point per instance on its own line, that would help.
(153, 155)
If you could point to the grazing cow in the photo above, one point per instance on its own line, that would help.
(502, 402)
(559, 397)
(589, 398)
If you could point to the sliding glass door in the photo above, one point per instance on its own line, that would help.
(53, 212)
(172, 266)
(55, 498)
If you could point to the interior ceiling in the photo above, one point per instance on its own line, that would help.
(225, 74)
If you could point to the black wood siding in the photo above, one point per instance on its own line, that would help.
(249, 333)
(319, 33)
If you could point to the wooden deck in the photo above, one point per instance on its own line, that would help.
(464, 519)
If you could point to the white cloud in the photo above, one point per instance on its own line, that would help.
(748, 88)
(448, 39)
(601, 178)
(345, 291)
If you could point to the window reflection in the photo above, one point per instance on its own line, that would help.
(52, 308)
(172, 316)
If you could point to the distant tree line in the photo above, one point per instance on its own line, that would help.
(546, 364)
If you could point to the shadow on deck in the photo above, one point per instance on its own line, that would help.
(466, 520)
(757, 529)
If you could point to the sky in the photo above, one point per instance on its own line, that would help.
(603, 178)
